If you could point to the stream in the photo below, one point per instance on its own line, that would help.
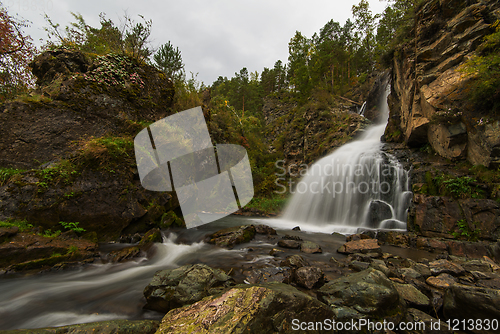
(104, 291)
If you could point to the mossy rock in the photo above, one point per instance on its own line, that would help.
(266, 308)
(229, 237)
(170, 219)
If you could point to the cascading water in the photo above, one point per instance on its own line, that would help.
(356, 186)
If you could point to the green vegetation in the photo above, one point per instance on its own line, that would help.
(103, 152)
(484, 90)
(268, 205)
(50, 234)
(73, 250)
(16, 52)
(459, 187)
(7, 173)
(130, 38)
(73, 226)
(22, 224)
(169, 60)
(114, 70)
(464, 231)
(63, 172)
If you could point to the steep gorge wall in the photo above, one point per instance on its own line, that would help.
(429, 88)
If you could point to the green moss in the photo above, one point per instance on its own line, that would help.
(62, 172)
(268, 205)
(169, 219)
(105, 152)
(7, 173)
(23, 225)
(431, 187)
(37, 264)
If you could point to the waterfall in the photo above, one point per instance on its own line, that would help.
(361, 111)
(356, 186)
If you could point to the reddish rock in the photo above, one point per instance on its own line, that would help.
(447, 267)
(443, 281)
(357, 236)
(360, 246)
(309, 277)
(487, 212)
(467, 249)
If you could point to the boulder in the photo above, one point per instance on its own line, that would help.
(309, 277)
(27, 251)
(7, 232)
(310, 247)
(294, 261)
(267, 275)
(412, 295)
(443, 281)
(293, 244)
(231, 236)
(360, 246)
(171, 288)
(266, 308)
(444, 266)
(470, 302)
(264, 229)
(432, 325)
(368, 293)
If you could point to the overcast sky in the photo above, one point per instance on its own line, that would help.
(216, 37)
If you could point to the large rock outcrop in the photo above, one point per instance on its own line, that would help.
(429, 87)
(66, 150)
(266, 308)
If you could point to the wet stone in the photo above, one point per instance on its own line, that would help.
(267, 275)
(292, 244)
(445, 267)
(358, 265)
(310, 247)
(309, 277)
(360, 246)
(443, 281)
(412, 295)
(294, 261)
(264, 229)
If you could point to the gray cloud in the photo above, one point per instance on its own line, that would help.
(216, 38)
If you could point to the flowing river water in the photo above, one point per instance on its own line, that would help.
(105, 291)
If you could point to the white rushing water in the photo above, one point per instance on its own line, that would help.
(356, 186)
(96, 293)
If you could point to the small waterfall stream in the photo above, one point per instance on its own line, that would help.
(356, 186)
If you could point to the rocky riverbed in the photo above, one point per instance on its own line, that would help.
(252, 278)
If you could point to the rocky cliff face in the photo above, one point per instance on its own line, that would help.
(79, 96)
(428, 85)
(66, 151)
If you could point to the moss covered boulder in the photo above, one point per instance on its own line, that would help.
(368, 293)
(266, 308)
